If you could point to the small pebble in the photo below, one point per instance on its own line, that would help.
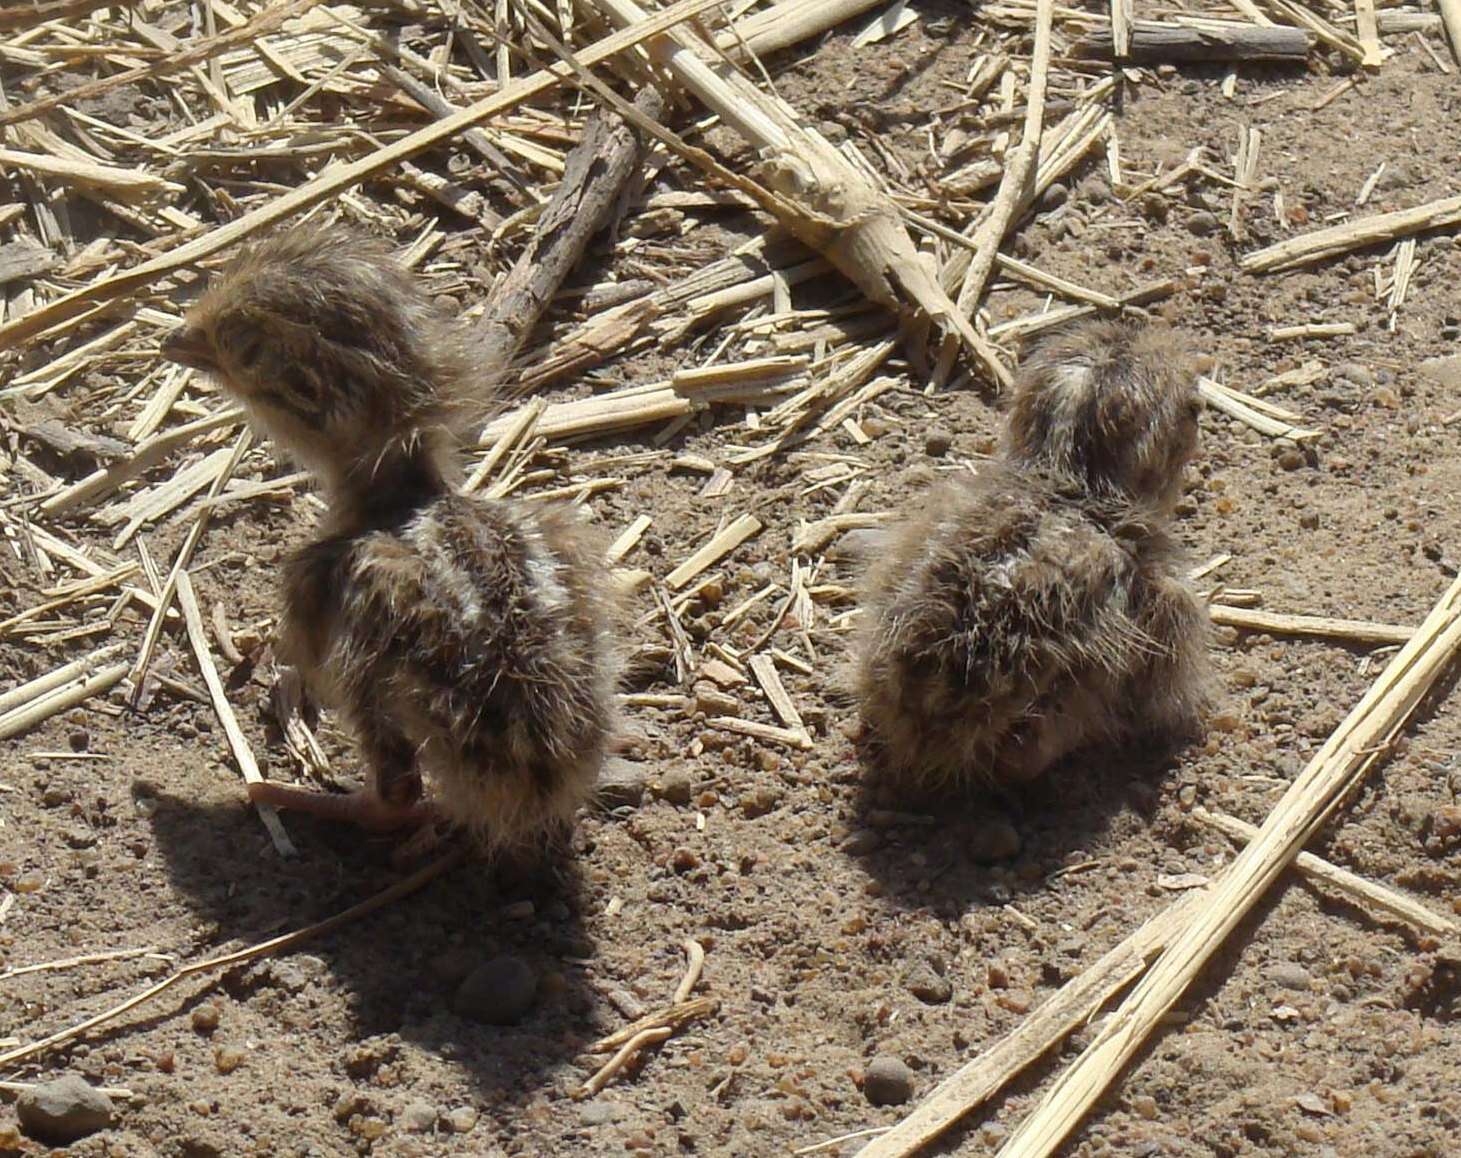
(675, 788)
(206, 1018)
(994, 840)
(862, 842)
(620, 784)
(1145, 1105)
(1289, 975)
(887, 1081)
(497, 992)
(1354, 372)
(760, 801)
(1202, 223)
(936, 443)
(1155, 206)
(79, 740)
(227, 1058)
(1054, 196)
(462, 1119)
(599, 1112)
(370, 1129)
(63, 1111)
(714, 702)
(417, 1117)
(927, 983)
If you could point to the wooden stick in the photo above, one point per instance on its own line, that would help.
(103, 482)
(720, 545)
(1320, 789)
(1121, 29)
(33, 689)
(402, 888)
(786, 23)
(1016, 189)
(791, 737)
(84, 959)
(73, 592)
(1250, 411)
(113, 178)
(1368, 26)
(1305, 16)
(595, 174)
(1158, 43)
(1276, 623)
(1337, 239)
(335, 178)
(42, 708)
(163, 599)
(1366, 891)
(1070, 1007)
(1307, 330)
(237, 741)
(670, 1017)
(763, 667)
(817, 536)
(616, 1063)
(694, 966)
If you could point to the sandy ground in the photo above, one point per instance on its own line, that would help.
(838, 925)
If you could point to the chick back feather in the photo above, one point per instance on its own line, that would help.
(1018, 619)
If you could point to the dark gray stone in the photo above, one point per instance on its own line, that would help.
(63, 1111)
(887, 1082)
(497, 992)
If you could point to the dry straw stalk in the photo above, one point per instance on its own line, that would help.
(829, 203)
(1337, 239)
(337, 178)
(1345, 757)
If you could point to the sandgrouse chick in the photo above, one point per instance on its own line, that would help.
(1035, 606)
(458, 636)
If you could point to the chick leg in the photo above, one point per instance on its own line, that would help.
(362, 808)
(390, 801)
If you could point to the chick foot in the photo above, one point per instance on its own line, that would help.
(363, 808)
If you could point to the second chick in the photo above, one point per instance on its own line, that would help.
(1036, 606)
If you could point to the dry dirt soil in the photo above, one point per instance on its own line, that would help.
(838, 924)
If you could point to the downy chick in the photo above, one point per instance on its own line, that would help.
(459, 636)
(1036, 606)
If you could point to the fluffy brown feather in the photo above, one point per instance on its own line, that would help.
(1110, 403)
(1035, 606)
(459, 636)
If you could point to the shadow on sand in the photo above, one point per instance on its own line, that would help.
(399, 968)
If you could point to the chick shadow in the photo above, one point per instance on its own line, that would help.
(399, 968)
(963, 849)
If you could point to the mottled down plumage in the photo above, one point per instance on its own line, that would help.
(1035, 605)
(469, 641)
(465, 638)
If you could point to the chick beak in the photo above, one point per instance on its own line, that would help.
(189, 346)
